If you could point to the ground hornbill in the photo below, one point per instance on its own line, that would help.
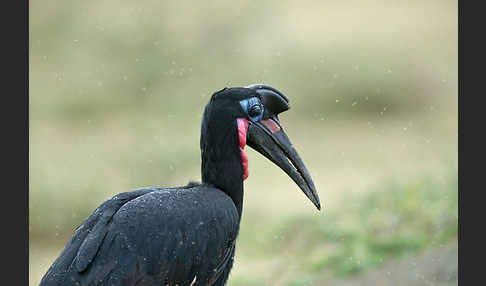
(185, 235)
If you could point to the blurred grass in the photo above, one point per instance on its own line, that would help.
(391, 221)
(117, 90)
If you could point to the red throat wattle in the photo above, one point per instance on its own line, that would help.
(242, 129)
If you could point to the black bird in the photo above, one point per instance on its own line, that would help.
(185, 235)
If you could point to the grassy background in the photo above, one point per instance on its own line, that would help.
(117, 90)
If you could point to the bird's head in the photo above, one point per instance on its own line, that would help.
(253, 112)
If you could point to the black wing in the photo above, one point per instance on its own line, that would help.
(152, 236)
(221, 272)
(88, 237)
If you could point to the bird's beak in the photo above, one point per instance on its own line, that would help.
(268, 138)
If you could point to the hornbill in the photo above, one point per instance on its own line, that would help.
(185, 235)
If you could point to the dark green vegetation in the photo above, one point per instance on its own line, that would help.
(117, 91)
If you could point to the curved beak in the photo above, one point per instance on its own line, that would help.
(268, 138)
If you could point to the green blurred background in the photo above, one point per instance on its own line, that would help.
(117, 91)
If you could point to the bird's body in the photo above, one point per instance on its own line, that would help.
(160, 237)
(184, 236)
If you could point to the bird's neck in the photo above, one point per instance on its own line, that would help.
(221, 164)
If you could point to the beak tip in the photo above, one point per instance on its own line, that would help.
(315, 199)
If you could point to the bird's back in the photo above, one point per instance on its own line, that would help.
(152, 236)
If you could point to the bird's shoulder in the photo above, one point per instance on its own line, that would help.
(183, 208)
(188, 200)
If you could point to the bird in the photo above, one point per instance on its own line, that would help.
(185, 236)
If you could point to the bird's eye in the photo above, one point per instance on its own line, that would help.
(255, 110)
